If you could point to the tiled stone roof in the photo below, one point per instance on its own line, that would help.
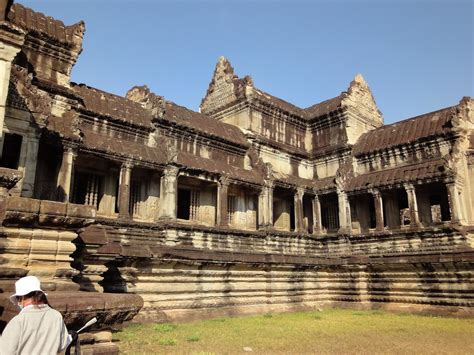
(317, 110)
(424, 126)
(277, 102)
(46, 25)
(122, 147)
(202, 123)
(398, 175)
(113, 106)
(324, 108)
(215, 166)
(64, 126)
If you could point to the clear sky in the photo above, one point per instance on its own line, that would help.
(417, 56)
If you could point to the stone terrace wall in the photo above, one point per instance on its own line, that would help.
(184, 272)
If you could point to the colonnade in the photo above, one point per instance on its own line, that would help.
(169, 194)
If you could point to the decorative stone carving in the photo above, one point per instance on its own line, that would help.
(152, 102)
(225, 87)
(344, 174)
(8, 179)
(38, 104)
(359, 97)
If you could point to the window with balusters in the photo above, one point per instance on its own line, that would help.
(87, 189)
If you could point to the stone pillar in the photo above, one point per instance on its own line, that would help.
(222, 196)
(412, 205)
(124, 190)
(265, 205)
(317, 224)
(345, 225)
(379, 217)
(454, 202)
(169, 193)
(65, 174)
(28, 183)
(299, 225)
(153, 199)
(11, 40)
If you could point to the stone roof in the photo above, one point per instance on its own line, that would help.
(198, 163)
(123, 148)
(37, 22)
(398, 175)
(317, 110)
(324, 108)
(424, 126)
(277, 102)
(199, 122)
(112, 106)
(64, 126)
(226, 89)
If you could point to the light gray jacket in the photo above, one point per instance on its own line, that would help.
(36, 330)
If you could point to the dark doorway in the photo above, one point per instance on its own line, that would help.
(184, 201)
(11, 150)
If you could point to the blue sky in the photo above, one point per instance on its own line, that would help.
(417, 56)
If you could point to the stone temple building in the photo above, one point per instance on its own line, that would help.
(137, 207)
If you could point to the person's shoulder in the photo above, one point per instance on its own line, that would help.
(54, 312)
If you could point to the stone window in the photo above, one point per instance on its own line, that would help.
(135, 198)
(231, 207)
(330, 215)
(11, 150)
(195, 202)
(188, 204)
(88, 189)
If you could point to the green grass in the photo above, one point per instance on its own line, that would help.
(331, 331)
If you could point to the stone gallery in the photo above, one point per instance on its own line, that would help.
(137, 208)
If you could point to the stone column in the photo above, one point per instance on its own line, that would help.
(124, 190)
(454, 202)
(412, 205)
(65, 174)
(265, 205)
(222, 197)
(345, 225)
(169, 193)
(299, 224)
(317, 224)
(379, 217)
(28, 183)
(11, 40)
(153, 199)
(270, 204)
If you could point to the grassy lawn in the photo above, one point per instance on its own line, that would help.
(328, 332)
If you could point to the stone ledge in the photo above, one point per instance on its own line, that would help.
(22, 211)
(111, 309)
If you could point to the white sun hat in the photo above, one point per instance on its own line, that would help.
(24, 286)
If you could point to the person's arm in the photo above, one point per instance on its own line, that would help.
(10, 338)
(66, 339)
